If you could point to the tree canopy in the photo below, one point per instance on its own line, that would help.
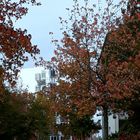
(15, 44)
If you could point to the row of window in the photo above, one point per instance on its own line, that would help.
(56, 138)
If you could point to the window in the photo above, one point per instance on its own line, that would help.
(52, 73)
(53, 138)
(37, 77)
(43, 75)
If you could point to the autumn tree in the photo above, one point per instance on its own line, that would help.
(21, 115)
(120, 62)
(42, 116)
(15, 44)
(80, 86)
(120, 59)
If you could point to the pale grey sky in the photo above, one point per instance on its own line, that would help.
(43, 19)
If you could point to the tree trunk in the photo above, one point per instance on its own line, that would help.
(105, 123)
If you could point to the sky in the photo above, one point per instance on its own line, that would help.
(43, 19)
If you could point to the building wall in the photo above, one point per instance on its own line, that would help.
(113, 121)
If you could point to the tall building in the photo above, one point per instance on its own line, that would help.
(37, 78)
(41, 80)
(45, 77)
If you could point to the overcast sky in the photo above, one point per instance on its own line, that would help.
(43, 19)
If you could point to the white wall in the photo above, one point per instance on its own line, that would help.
(113, 123)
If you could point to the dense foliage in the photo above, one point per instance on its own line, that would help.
(15, 44)
(23, 116)
(98, 65)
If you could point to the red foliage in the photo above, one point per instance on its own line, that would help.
(121, 63)
(15, 44)
(130, 136)
(76, 58)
